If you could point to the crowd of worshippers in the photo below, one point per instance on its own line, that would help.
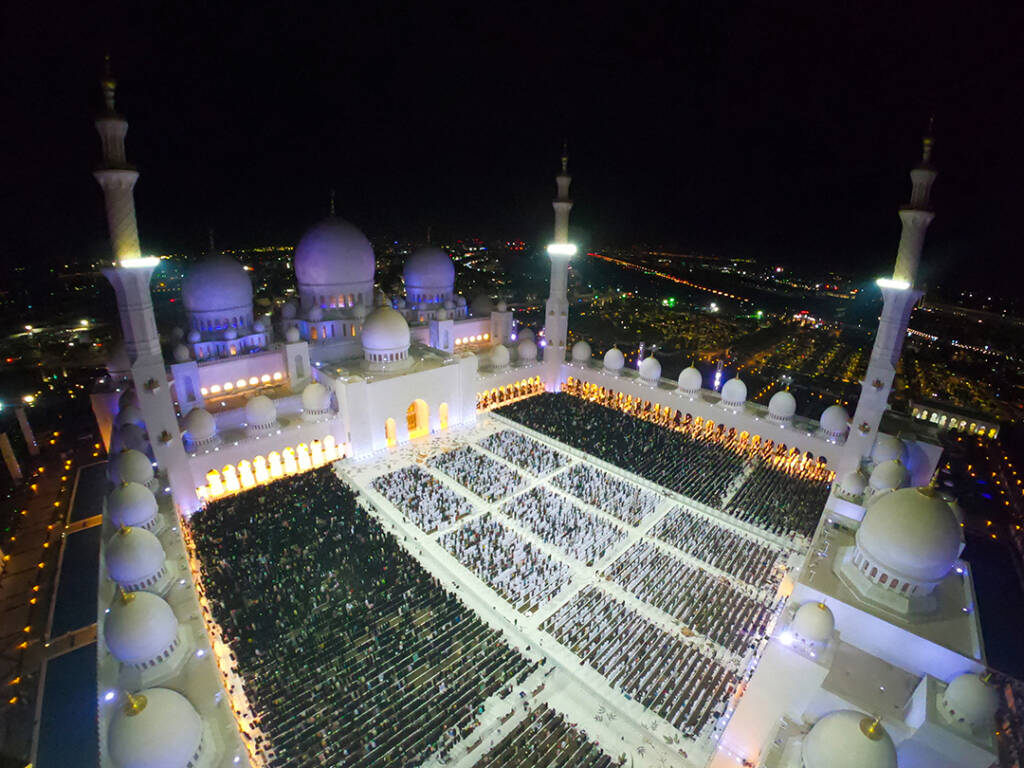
(677, 680)
(557, 520)
(785, 504)
(728, 551)
(350, 652)
(626, 501)
(545, 738)
(701, 467)
(525, 452)
(489, 479)
(518, 571)
(700, 602)
(422, 498)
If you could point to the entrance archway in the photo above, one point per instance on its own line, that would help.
(417, 419)
(390, 432)
(443, 414)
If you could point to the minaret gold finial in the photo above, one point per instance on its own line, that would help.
(928, 142)
(872, 728)
(126, 597)
(123, 529)
(333, 214)
(108, 83)
(565, 156)
(135, 704)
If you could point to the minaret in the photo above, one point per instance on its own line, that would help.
(130, 275)
(899, 295)
(556, 321)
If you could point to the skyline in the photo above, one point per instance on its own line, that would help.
(761, 136)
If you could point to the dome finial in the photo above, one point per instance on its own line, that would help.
(126, 597)
(124, 530)
(872, 728)
(134, 704)
(108, 83)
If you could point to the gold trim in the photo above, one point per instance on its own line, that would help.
(134, 705)
(872, 728)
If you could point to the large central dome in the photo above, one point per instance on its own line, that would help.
(334, 252)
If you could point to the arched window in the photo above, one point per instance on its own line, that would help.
(874, 572)
(884, 579)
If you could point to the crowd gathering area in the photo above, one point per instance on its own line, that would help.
(358, 610)
(756, 482)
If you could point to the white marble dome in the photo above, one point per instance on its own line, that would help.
(260, 411)
(315, 314)
(334, 252)
(289, 310)
(132, 505)
(910, 534)
(526, 334)
(316, 398)
(133, 557)
(782, 406)
(650, 369)
(215, 284)
(969, 700)
(140, 627)
(429, 275)
(734, 392)
(813, 622)
(181, 353)
(165, 732)
(614, 360)
(199, 425)
(886, 448)
(527, 350)
(581, 352)
(690, 380)
(194, 336)
(130, 414)
(888, 476)
(499, 356)
(848, 739)
(292, 335)
(385, 331)
(132, 466)
(853, 483)
(834, 421)
(481, 306)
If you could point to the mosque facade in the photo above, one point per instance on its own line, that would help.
(877, 660)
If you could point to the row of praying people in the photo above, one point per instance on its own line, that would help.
(559, 521)
(788, 504)
(489, 479)
(350, 653)
(422, 498)
(626, 501)
(525, 452)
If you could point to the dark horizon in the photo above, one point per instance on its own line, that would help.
(785, 135)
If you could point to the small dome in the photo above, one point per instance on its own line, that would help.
(385, 330)
(813, 622)
(912, 533)
(130, 414)
(970, 700)
(316, 314)
(734, 392)
(132, 505)
(177, 333)
(133, 556)
(140, 627)
(834, 421)
(481, 306)
(132, 466)
(194, 337)
(690, 380)
(886, 448)
(782, 406)
(650, 368)
(526, 334)
(181, 353)
(853, 483)
(315, 397)
(334, 252)
(216, 283)
(428, 270)
(614, 359)
(132, 436)
(527, 350)
(260, 411)
(581, 352)
(848, 739)
(199, 425)
(164, 732)
(502, 306)
(259, 327)
(499, 356)
(441, 314)
(288, 310)
(291, 335)
(888, 476)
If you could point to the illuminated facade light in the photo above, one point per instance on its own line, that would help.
(562, 249)
(139, 262)
(886, 282)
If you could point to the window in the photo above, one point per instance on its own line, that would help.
(874, 572)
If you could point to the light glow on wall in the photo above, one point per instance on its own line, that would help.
(473, 339)
(231, 386)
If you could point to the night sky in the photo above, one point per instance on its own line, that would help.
(774, 130)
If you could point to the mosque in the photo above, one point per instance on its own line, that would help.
(876, 660)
